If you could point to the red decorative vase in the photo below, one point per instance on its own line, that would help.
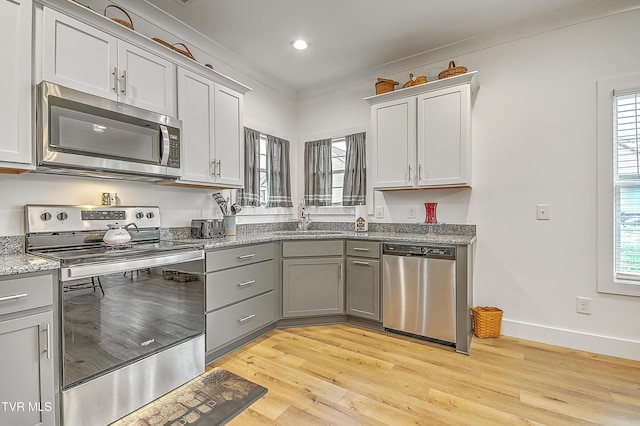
(431, 212)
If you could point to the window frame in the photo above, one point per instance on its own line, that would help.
(608, 281)
(334, 172)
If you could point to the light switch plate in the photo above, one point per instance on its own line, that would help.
(542, 212)
(379, 212)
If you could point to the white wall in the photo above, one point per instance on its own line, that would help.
(534, 141)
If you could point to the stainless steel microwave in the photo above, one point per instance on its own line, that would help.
(83, 134)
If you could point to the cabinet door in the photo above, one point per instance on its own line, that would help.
(444, 131)
(394, 135)
(79, 56)
(196, 109)
(312, 287)
(146, 80)
(15, 81)
(229, 138)
(26, 368)
(363, 288)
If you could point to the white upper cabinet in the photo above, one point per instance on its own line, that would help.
(212, 132)
(88, 59)
(229, 137)
(15, 85)
(421, 136)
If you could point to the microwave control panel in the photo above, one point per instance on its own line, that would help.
(174, 148)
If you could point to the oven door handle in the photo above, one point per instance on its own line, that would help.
(85, 271)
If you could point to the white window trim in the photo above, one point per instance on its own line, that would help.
(607, 283)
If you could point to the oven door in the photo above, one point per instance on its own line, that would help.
(115, 314)
(81, 131)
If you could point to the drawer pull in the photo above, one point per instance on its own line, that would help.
(360, 249)
(246, 283)
(357, 262)
(246, 256)
(14, 297)
(47, 349)
(247, 318)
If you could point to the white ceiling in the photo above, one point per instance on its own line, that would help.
(346, 36)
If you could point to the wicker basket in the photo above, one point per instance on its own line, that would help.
(452, 70)
(186, 52)
(421, 79)
(486, 321)
(385, 85)
(128, 24)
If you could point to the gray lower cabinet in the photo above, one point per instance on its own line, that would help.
(240, 293)
(363, 280)
(314, 285)
(27, 358)
(363, 288)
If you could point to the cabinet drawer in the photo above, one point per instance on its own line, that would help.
(312, 248)
(20, 294)
(363, 249)
(229, 258)
(232, 322)
(232, 285)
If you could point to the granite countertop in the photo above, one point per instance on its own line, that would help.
(265, 237)
(14, 261)
(21, 263)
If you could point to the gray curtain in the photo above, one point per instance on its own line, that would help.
(278, 171)
(317, 173)
(354, 190)
(250, 195)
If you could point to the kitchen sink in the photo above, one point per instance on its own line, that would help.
(312, 232)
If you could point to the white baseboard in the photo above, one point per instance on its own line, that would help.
(604, 345)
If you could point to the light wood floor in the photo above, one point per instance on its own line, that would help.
(346, 375)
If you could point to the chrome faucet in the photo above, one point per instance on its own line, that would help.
(304, 222)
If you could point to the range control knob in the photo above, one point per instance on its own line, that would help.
(45, 216)
(139, 215)
(150, 215)
(62, 216)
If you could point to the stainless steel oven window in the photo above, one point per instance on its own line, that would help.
(141, 312)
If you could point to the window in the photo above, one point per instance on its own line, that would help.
(338, 157)
(627, 185)
(264, 183)
(266, 171)
(618, 191)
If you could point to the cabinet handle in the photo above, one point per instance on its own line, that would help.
(247, 318)
(124, 82)
(340, 271)
(219, 168)
(246, 256)
(213, 167)
(360, 249)
(14, 297)
(47, 331)
(409, 172)
(115, 79)
(419, 172)
(358, 262)
(246, 283)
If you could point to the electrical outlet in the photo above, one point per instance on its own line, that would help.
(380, 212)
(542, 212)
(583, 305)
(412, 213)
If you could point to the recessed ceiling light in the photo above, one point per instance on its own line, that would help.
(299, 44)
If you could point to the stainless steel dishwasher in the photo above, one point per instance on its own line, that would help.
(419, 290)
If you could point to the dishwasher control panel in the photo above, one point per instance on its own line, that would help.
(416, 249)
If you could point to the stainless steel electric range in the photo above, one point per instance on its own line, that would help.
(131, 315)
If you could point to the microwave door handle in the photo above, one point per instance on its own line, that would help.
(165, 145)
